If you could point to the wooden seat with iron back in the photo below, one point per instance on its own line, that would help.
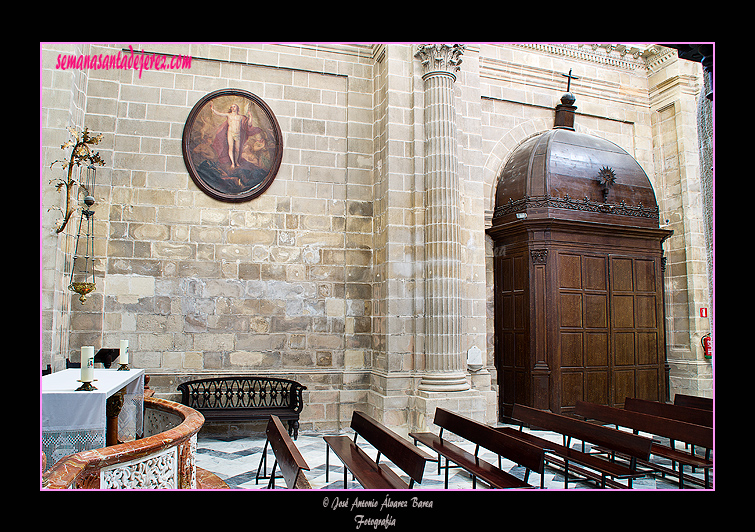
(245, 398)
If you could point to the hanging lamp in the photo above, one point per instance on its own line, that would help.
(82, 282)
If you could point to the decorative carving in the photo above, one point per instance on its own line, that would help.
(440, 58)
(157, 471)
(606, 178)
(530, 202)
(539, 256)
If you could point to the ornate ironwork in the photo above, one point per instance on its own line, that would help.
(242, 392)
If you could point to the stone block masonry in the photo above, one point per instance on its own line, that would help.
(278, 285)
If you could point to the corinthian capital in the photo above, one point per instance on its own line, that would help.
(440, 58)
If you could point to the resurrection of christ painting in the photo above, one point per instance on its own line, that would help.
(232, 145)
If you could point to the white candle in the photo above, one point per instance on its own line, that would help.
(123, 358)
(87, 363)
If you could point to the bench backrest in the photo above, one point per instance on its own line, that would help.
(680, 413)
(669, 428)
(624, 442)
(693, 401)
(242, 392)
(290, 461)
(399, 451)
(524, 454)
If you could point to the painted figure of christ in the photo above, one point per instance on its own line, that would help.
(236, 126)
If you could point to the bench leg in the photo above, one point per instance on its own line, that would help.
(271, 482)
(327, 461)
(293, 428)
(263, 463)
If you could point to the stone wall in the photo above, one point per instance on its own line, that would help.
(278, 285)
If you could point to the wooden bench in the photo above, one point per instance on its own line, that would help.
(590, 466)
(529, 456)
(287, 457)
(693, 401)
(687, 414)
(372, 474)
(241, 399)
(672, 429)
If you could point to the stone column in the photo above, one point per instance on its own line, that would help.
(444, 358)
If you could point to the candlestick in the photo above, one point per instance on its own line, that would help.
(87, 368)
(123, 358)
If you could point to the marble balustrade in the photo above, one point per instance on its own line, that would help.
(163, 458)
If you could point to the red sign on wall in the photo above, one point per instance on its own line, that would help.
(703, 312)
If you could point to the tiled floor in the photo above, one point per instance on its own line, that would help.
(236, 462)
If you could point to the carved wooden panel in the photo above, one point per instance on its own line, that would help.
(608, 328)
(577, 318)
(512, 328)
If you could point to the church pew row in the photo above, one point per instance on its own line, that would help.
(696, 416)
(604, 472)
(287, 457)
(529, 456)
(370, 473)
(672, 429)
(693, 401)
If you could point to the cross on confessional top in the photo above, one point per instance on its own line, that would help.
(570, 77)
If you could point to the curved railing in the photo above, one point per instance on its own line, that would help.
(164, 458)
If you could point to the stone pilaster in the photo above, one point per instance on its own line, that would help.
(444, 358)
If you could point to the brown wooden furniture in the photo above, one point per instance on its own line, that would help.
(368, 472)
(287, 457)
(529, 456)
(687, 414)
(243, 398)
(668, 428)
(593, 467)
(579, 311)
(693, 401)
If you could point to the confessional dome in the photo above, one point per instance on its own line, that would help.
(563, 174)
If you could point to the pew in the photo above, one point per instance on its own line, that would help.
(522, 453)
(693, 401)
(672, 411)
(589, 465)
(687, 414)
(287, 457)
(664, 427)
(370, 473)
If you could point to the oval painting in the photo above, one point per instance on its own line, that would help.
(232, 145)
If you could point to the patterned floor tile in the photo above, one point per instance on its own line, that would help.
(236, 462)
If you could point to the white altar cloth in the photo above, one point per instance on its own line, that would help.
(76, 421)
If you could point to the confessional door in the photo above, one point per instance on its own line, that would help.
(610, 342)
(598, 321)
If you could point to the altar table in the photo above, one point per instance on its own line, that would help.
(77, 421)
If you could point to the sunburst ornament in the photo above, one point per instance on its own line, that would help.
(606, 178)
